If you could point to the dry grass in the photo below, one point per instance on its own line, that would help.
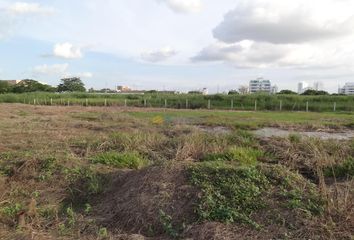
(51, 189)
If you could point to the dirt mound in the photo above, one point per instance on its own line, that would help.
(139, 201)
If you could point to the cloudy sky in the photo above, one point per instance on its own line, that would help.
(178, 44)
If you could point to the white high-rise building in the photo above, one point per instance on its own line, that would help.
(348, 89)
(260, 85)
(302, 87)
(318, 86)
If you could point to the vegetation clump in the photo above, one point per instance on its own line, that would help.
(229, 193)
(240, 155)
(132, 160)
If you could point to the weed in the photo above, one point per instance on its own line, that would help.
(11, 210)
(295, 138)
(103, 233)
(132, 160)
(166, 221)
(88, 208)
(297, 192)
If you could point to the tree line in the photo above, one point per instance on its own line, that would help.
(29, 85)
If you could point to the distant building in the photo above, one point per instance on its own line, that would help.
(123, 89)
(348, 89)
(205, 91)
(302, 87)
(260, 85)
(274, 89)
(11, 82)
(318, 86)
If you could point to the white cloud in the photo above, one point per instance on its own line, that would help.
(159, 55)
(183, 6)
(282, 21)
(84, 75)
(67, 50)
(55, 69)
(29, 8)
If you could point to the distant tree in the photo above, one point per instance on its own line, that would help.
(71, 85)
(195, 92)
(30, 85)
(314, 92)
(287, 92)
(233, 92)
(151, 91)
(5, 87)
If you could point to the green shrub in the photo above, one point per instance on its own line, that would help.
(230, 193)
(132, 160)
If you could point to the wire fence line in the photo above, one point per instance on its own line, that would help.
(230, 104)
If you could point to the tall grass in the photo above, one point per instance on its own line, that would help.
(180, 101)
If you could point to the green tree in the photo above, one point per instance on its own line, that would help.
(71, 85)
(314, 92)
(233, 92)
(5, 87)
(30, 85)
(287, 92)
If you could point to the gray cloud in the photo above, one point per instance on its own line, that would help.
(263, 23)
(244, 54)
(158, 55)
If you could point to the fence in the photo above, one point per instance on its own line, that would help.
(179, 103)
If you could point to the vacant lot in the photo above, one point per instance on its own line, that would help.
(125, 173)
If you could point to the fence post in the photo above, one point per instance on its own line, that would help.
(34, 101)
(145, 103)
(334, 106)
(281, 105)
(68, 102)
(105, 102)
(255, 105)
(209, 104)
(307, 106)
(232, 104)
(86, 102)
(165, 103)
(125, 102)
(186, 103)
(51, 101)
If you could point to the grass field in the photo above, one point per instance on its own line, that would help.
(78, 172)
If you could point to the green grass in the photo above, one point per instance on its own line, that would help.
(346, 169)
(244, 156)
(132, 160)
(251, 120)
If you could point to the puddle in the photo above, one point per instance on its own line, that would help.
(214, 130)
(276, 132)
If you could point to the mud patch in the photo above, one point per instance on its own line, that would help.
(214, 130)
(135, 200)
(276, 132)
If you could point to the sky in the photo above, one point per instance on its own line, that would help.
(178, 44)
